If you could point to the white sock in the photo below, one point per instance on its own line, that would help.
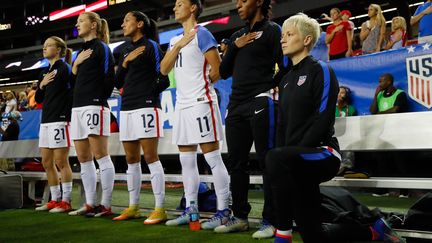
(158, 183)
(107, 173)
(190, 176)
(55, 193)
(133, 175)
(67, 190)
(221, 178)
(88, 177)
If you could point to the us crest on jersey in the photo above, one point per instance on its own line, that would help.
(301, 80)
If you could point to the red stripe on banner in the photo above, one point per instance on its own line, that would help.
(67, 134)
(423, 90)
(101, 121)
(209, 99)
(412, 85)
(66, 13)
(417, 89)
(157, 122)
(428, 92)
(101, 4)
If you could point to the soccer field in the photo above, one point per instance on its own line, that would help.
(27, 225)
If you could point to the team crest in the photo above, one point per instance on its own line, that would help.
(419, 72)
(301, 80)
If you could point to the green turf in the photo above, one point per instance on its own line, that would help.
(172, 199)
(27, 225)
(386, 204)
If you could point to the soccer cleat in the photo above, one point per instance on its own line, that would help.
(220, 218)
(100, 211)
(180, 220)
(265, 231)
(61, 207)
(157, 216)
(383, 232)
(129, 213)
(82, 211)
(48, 206)
(234, 224)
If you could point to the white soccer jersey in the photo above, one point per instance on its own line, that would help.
(191, 70)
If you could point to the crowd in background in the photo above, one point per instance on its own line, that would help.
(18, 101)
(373, 37)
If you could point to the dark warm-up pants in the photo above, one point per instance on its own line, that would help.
(295, 174)
(246, 123)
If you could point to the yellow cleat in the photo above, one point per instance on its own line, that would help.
(157, 216)
(129, 213)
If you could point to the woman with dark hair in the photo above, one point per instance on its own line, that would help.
(140, 123)
(93, 70)
(339, 36)
(55, 90)
(197, 120)
(250, 59)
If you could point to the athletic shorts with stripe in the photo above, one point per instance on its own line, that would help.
(141, 123)
(197, 124)
(54, 135)
(90, 120)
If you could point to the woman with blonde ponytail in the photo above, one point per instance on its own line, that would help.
(103, 33)
(93, 70)
(54, 85)
(373, 31)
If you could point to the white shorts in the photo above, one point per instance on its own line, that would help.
(197, 124)
(54, 135)
(141, 123)
(90, 120)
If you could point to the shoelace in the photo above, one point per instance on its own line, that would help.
(51, 203)
(153, 214)
(264, 226)
(185, 213)
(218, 216)
(125, 211)
(63, 204)
(232, 221)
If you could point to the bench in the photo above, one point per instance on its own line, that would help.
(373, 182)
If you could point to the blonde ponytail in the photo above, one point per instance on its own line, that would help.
(102, 30)
(64, 50)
